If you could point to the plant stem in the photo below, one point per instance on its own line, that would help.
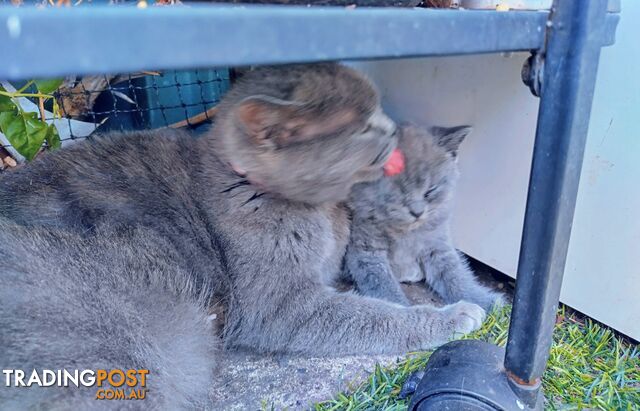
(26, 86)
(41, 108)
(17, 94)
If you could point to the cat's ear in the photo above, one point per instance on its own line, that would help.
(450, 137)
(260, 115)
(271, 120)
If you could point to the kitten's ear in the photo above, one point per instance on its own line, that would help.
(260, 114)
(450, 137)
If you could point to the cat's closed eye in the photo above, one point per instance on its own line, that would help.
(367, 128)
(430, 192)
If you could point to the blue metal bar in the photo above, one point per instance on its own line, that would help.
(110, 39)
(576, 32)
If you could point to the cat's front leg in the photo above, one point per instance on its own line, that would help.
(448, 274)
(372, 276)
(320, 321)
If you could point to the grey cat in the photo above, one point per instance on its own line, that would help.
(112, 235)
(400, 229)
(113, 300)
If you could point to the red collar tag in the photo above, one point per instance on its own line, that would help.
(395, 163)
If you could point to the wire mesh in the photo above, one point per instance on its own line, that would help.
(135, 101)
(142, 102)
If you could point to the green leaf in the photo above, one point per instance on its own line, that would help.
(48, 86)
(25, 132)
(5, 102)
(53, 138)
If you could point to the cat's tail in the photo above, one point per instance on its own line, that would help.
(71, 305)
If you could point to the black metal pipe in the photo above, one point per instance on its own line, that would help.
(574, 38)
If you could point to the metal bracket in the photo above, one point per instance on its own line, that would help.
(532, 73)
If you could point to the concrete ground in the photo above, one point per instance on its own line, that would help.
(250, 382)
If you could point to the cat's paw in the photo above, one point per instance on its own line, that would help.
(498, 300)
(465, 317)
(490, 300)
(398, 298)
(485, 297)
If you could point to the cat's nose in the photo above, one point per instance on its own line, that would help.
(384, 122)
(416, 210)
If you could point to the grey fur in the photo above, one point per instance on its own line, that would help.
(112, 300)
(401, 225)
(249, 212)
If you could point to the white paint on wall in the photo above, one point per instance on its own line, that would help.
(603, 270)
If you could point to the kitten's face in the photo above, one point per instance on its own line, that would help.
(306, 133)
(421, 195)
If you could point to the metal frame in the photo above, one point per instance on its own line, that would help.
(569, 66)
(108, 39)
(565, 42)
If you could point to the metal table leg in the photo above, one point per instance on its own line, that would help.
(472, 375)
(570, 63)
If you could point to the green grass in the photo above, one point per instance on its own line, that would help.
(589, 368)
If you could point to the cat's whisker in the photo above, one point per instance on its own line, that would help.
(253, 197)
(235, 185)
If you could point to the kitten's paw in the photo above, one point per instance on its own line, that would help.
(499, 300)
(486, 298)
(492, 300)
(401, 300)
(465, 317)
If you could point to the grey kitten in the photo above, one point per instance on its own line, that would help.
(249, 212)
(400, 229)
